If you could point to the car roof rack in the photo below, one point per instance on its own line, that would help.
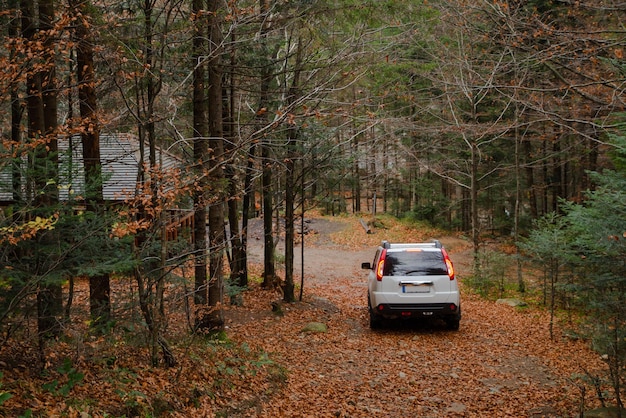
(432, 244)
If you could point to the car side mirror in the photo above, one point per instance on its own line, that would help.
(366, 266)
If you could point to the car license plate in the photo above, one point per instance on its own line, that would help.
(415, 289)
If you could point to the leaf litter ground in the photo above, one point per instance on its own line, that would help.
(501, 362)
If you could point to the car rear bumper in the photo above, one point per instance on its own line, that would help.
(410, 310)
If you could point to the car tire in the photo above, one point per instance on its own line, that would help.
(376, 322)
(453, 324)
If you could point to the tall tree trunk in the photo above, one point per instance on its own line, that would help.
(42, 109)
(545, 179)
(238, 264)
(356, 178)
(99, 285)
(290, 192)
(556, 180)
(474, 206)
(269, 272)
(530, 180)
(521, 286)
(247, 201)
(238, 271)
(356, 174)
(289, 286)
(16, 112)
(48, 80)
(201, 159)
(217, 240)
(385, 163)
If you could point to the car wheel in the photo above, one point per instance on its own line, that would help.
(453, 324)
(376, 322)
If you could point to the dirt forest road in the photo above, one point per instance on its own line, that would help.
(501, 363)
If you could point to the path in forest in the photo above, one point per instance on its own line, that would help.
(500, 363)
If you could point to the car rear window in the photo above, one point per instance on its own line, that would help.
(407, 263)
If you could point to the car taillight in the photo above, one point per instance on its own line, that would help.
(448, 264)
(381, 266)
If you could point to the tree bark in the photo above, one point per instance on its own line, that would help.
(217, 240)
(530, 180)
(248, 193)
(474, 206)
(290, 192)
(42, 113)
(269, 272)
(16, 114)
(238, 270)
(238, 261)
(99, 285)
(201, 157)
(521, 285)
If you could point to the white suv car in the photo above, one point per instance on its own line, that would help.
(412, 281)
